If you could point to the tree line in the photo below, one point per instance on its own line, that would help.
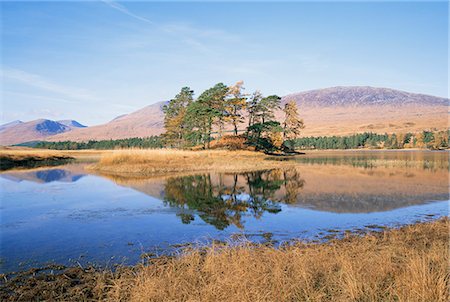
(151, 142)
(191, 122)
(423, 140)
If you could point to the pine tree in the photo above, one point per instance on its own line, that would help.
(207, 111)
(253, 107)
(267, 107)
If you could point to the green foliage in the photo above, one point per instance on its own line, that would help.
(425, 139)
(135, 142)
(341, 142)
(201, 115)
(266, 108)
(265, 136)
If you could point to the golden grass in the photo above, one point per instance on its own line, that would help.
(137, 162)
(407, 264)
(20, 153)
(410, 264)
(27, 153)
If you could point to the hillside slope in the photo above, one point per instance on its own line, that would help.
(144, 122)
(348, 110)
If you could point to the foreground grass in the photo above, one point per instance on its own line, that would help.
(407, 264)
(160, 161)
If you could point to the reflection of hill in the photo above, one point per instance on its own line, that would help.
(69, 173)
(339, 187)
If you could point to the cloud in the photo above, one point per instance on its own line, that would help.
(39, 97)
(198, 38)
(124, 10)
(42, 83)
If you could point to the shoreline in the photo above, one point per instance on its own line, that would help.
(140, 163)
(159, 277)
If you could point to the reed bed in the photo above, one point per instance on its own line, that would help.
(137, 162)
(410, 264)
(407, 264)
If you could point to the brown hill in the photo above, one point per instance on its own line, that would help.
(347, 110)
(144, 122)
(329, 111)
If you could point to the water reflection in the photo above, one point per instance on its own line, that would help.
(225, 199)
(340, 188)
(424, 160)
(61, 213)
(66, 174)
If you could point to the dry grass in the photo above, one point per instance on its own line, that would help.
(26, 153)
(19, 158)
(159, 161)
(410, 264)
(19, 153)
(407, 264)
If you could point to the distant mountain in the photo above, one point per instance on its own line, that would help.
(18, 132)
(144, 122)
(328, 111)
(362, 96)
(72, 124)
(10, 124)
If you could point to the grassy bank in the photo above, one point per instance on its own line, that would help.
(407, 264)
(19, 158)
(12, 158)
(159, 161)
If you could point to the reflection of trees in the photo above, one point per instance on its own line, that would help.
(222, 203)
(292, 184)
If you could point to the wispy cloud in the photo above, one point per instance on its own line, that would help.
(48, 85)
(124, 10)
(196, 37)
(38, 97)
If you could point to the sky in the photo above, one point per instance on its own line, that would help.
(94, 60)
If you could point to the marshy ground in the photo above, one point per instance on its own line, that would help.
(406, 264)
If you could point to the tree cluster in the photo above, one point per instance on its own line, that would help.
(190, 122)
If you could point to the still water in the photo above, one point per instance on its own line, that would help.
(65, 215)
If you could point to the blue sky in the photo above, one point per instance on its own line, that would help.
(94, 60)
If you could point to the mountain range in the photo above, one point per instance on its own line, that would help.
(328, 111)
(18, 132)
